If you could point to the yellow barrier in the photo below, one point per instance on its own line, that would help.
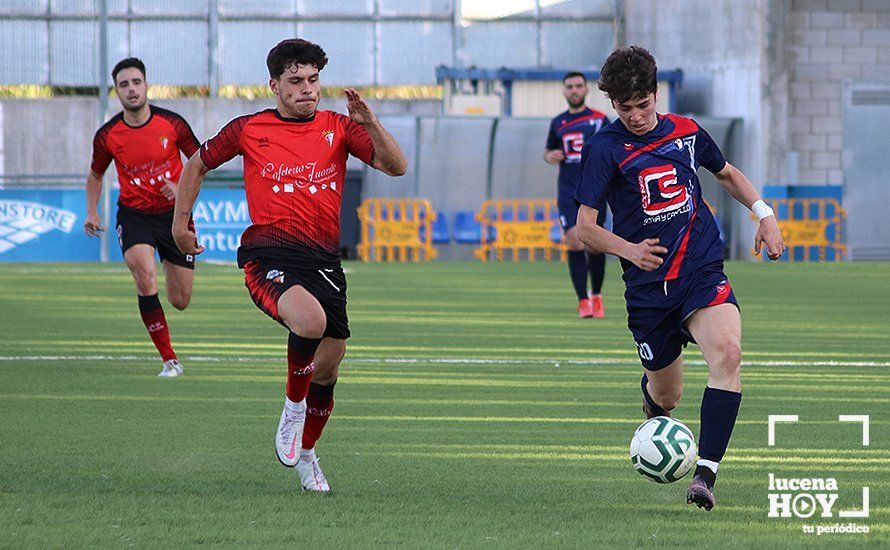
(520, 226)
(813, 229)
(391, 230)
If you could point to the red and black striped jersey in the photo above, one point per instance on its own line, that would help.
(294, 172)
(144, 156)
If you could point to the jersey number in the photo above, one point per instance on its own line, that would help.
(660, 191)
(645, 351)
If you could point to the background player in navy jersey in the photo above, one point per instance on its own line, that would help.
(568, 132)
(644, 165)
(145, 143)
(294, 172)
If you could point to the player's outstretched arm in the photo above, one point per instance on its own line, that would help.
(189, 186)
(93, 225)
(388, 156)
(646, 254)
(740, 187)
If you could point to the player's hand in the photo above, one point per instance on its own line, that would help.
(555, 156)
(93, 226)
(359, 111)
(169, 189)
(186, 240)
(768, 234)
(647, 254)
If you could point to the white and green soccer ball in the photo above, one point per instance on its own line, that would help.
(663, 449)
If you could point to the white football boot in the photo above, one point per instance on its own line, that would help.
(311, 476)
(290, 433)
(171, 369)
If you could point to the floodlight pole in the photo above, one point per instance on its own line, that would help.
(102, 80)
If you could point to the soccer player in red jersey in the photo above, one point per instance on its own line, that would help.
(645, 166)
(145, 143)
(294, 171)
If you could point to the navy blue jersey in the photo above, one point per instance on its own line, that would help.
(568, 132)
(650, 183)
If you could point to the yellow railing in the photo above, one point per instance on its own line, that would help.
(396, 230)
(521, 227)
(813, 229)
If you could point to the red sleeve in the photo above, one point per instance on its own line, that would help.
(225, 145)
(185, 138)
(358, 142)
(101, 155)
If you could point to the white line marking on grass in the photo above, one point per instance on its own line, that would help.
(434, 361)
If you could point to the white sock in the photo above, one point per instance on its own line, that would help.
(293, 407)
(710, 464)
(307, 455)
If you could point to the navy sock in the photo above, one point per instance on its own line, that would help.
(578, 272)
(719, 409)
(596, 265)
(656, 408)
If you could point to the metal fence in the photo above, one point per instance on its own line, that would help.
(215, 43)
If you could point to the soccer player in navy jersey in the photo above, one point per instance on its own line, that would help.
(568, 132)
(294, 172)
(644, 165)
(145, 143)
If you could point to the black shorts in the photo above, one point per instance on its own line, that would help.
(568, 211)
(657, 312)
(155, 230)
(267, 279)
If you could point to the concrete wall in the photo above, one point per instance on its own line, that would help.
(55, 136)
(830, 41)
(778, 64)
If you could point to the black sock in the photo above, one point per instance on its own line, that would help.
(578, 272)
(596, 265)
(707, 475)
(719, 409)
(657, 410)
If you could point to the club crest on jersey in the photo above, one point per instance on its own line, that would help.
(164, 141)
(275, 276)
(628, 147)
(329, 137)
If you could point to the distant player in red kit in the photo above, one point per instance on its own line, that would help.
(145, 143)
(294, 172)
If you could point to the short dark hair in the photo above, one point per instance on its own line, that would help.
(128, 63)
(573, 74)
(294, 51)
(629, 73)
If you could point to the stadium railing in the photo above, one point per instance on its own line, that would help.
(522, 227)
(397, 230)
(813, 229)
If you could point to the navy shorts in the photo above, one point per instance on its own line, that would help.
(155, 230)
(267, 279)
(568, 212)
(657, 312)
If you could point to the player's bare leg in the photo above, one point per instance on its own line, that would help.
(662, 389)
(140, 260)
(319, 404)
(303, 315)
(577, 263)
(179, 281)
(718, 332)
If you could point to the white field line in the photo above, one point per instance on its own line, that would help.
(436, 361)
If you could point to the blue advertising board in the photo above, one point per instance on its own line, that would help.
(46, 225)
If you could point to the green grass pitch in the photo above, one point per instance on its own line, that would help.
(474, 410)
